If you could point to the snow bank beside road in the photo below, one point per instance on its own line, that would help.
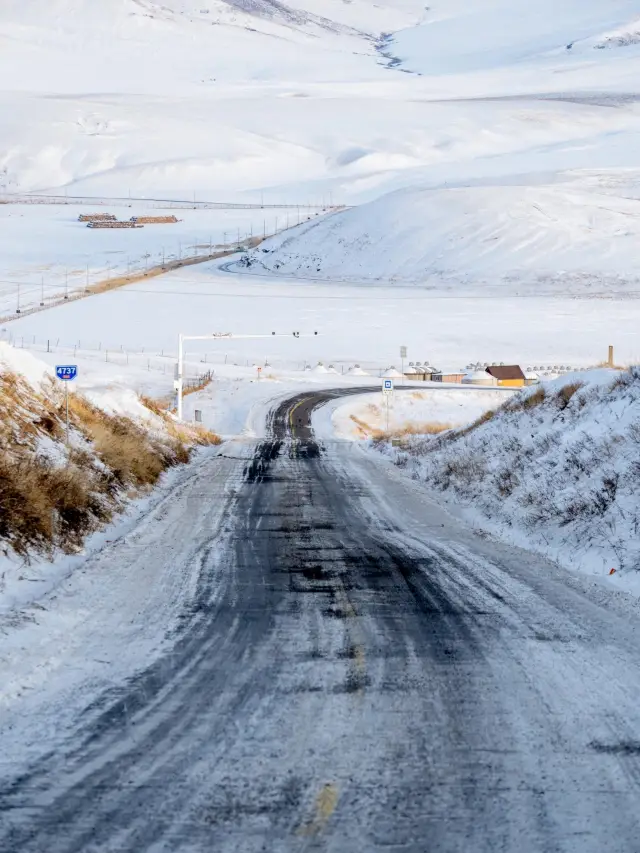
(67, 466)
(555, 469)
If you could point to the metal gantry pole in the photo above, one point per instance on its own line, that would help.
(179, 378)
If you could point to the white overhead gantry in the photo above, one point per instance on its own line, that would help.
(216, 336)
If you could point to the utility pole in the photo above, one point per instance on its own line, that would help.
(42, 291)
(66, 400)
(18, 305)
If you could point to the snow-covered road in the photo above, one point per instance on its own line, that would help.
(350, 669)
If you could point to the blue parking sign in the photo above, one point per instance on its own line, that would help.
(66, 372)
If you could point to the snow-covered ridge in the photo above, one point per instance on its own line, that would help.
(554, 469)
(569, 232)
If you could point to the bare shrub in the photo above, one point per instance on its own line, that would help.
(531, 401)
(564, 395)
(483, 419)
(506, 482)
(428, 428)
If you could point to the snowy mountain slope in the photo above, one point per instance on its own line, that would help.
(295, 99)
(566, 236)
(460, 37)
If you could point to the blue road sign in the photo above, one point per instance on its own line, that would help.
(387, 386)
(66, 372)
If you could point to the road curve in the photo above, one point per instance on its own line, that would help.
(358, 674)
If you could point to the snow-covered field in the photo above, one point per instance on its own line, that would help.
(47, 250)
(355, 324)
(510, 141)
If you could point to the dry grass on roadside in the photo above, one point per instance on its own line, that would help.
(51, 497)
(484, 418)
(365, 430)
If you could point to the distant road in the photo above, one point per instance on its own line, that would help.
(177, 204)
(359, 672)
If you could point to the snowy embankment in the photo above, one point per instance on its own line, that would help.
(56, 489)
(410, 411)
(554, 469)
(573, 236)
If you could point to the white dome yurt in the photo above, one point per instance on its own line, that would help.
(392, 373)
(479, 377)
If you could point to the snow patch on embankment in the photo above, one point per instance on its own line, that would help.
(555, 469)
(571, 236)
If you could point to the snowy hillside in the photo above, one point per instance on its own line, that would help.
(306, 100)
(456, 36)
(565, 236)
(555, 468)
(175, 97)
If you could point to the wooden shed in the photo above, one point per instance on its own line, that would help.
(508, 375)
(448, 377)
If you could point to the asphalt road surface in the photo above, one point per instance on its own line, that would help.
(363, 674)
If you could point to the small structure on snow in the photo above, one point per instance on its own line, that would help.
(479, 377)
(508, 375)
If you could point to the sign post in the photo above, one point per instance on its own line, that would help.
(66, 373)
(387, 392)
(403, 355)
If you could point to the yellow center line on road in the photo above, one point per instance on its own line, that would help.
(323, 807)
(299, 403)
